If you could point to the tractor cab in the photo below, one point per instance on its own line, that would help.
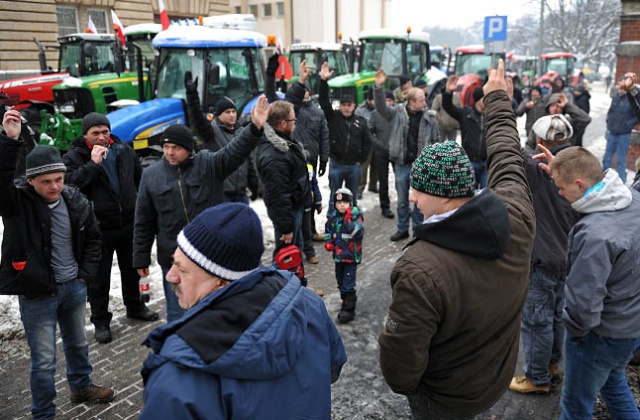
(317, 53)
(472, 68)
(558, 64)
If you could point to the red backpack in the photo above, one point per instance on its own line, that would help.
(290, 258)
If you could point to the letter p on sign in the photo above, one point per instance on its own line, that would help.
(495, 28)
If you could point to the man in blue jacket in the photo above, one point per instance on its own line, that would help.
(253, 342)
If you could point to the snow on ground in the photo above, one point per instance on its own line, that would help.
(11, 326)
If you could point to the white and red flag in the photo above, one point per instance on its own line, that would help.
(91, 27)
(164, 17)
(117, 26)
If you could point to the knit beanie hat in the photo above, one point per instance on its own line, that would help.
(179, 135)
(43, 160)
(224, 240)
(224, 104)
(478, 93)
(553, 128)
(443, 170)
(389, 95)
(92, 119)
(343, 194)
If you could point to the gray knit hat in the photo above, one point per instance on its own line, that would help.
(92, 119)
(42, 160)
(443, 170)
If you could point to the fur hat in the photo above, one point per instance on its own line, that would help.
(553, 128)
(443, 170)
(224, 104)
(224, 240)
(92, 119)
(179, 135)
(42, 160)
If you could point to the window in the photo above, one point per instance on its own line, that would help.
(238, 9)
(280, 8)
(253, 9)
(99, 18)
(266, 10)
(67, 20)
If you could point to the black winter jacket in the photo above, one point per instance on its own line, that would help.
(26, 245)
(112, 210)
(471, 128)
(214, 137)
(283, 171)
(171, 196)
(350, 140)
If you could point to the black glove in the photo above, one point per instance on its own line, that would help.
(190, 84)
(273, 64)
(322, 168)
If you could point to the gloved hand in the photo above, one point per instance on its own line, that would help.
(254, 196)
(319, 208)
(273, 64)
(322, 168)
(190, 84)
(328, 246)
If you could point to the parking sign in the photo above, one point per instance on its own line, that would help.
(495, 28)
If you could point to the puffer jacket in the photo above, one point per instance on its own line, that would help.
(399, 127)
(345, 233)
(273, 355)
(171, 196)
(453, 328)
(283, 171)
(26, 243)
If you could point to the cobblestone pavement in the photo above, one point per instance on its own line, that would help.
(361, 392)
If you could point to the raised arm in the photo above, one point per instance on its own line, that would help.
(447, 99)
(323, 93)
(198, 121)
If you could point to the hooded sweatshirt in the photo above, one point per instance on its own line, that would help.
(602, 292)
(262, 347)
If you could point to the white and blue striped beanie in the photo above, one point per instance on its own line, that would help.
(224, 240)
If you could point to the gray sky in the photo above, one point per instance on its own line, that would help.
(455, 13)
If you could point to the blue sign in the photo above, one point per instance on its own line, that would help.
(495, 28)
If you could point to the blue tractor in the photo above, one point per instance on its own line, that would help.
(226, 62)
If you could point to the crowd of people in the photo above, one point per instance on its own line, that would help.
(544, 232)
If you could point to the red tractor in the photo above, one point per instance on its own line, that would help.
(472, 68)
(558, 64)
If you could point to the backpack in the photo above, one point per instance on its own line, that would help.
(290, 258)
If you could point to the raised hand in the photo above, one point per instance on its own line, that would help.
(325, 73)
(260, 112)
(452, 84)
(12, 123)
(305, 71)
(272, 65)
(380, 77)
(190, 84)
(545, 155)
(496, 79)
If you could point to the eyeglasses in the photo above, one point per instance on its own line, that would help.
(291, 120)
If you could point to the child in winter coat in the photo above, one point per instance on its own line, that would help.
(344, 232)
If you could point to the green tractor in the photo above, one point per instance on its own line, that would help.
(124, 84)
(398, 53)
(317, 53)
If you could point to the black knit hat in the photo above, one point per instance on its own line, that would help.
(92, 119)
(224, 104)
(224, 240)
(343, 194)
(179, 135)
(345, 97)
(443, 170)
(404, 80)
(389, 95)
(43, 160)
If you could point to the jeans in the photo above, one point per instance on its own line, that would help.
(349, 174)
(381, 162)
(368, 167)
(346, 276)
(597, 364)
(39, 316)
(119, 241)
(402, 174)
(174, 311)
(480, 171)
(617, 144)
(542, 329)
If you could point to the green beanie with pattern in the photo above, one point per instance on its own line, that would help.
(443, 170)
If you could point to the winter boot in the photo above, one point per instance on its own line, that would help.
(348, 309)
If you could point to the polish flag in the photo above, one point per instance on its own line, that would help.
(117, 26)
(91, 27)
(164, 17)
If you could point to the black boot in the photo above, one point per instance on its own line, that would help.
(348, 309)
